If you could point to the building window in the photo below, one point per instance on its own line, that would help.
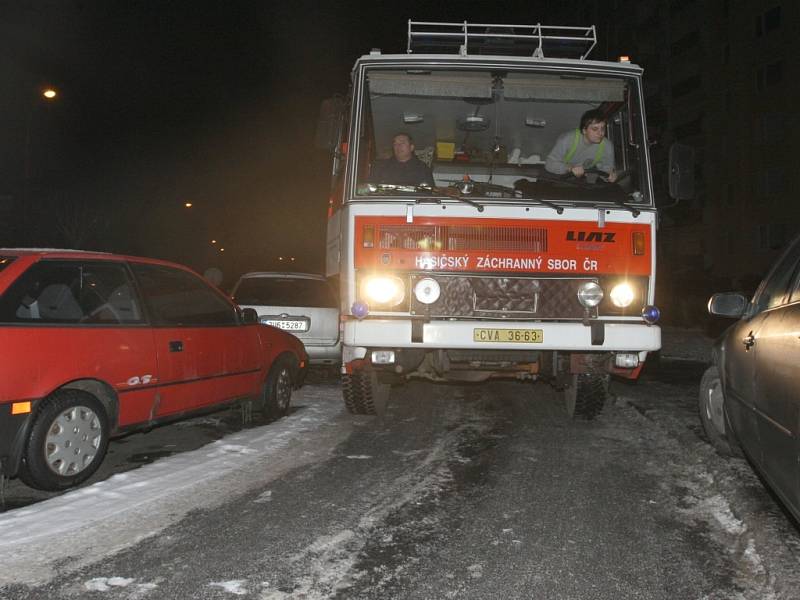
(772, 181)
(686, 86)
(773, 236)
(772, 127)
(689, 129)
(678, 5)
(768, 21)
(769, 75)
(690, 41)
(730, 198)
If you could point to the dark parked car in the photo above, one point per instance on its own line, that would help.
(750, 397)
(93, 345)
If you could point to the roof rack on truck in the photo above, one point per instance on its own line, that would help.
(510, 40)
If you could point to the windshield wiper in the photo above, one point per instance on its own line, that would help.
(621, 203)
(435, 194)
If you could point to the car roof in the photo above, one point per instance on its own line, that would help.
(82, 255)
(283, 275)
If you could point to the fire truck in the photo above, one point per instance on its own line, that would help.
(497, 265)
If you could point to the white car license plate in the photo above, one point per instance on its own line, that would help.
(522, 336)
(289, 325)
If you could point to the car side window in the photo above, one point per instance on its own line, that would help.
(176, 297)
(774, 290)
(52, 291)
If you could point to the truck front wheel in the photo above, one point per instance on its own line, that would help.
(361, 391)
(586, 396)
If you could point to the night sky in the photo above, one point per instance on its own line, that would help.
(163, 103)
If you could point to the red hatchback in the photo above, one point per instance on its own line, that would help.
(93, 345)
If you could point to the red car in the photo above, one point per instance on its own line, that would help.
(93, 345)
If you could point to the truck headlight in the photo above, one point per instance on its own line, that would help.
(590, 294)
(622, 294)
(383, 290)
(427, 290)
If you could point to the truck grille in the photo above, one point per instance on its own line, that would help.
(492, 297)
(462, 238)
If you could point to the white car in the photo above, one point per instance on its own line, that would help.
(303, 304)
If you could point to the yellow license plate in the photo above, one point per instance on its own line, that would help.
(523, 336)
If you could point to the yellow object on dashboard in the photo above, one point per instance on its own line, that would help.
(445, 150)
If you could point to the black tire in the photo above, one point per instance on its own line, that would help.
(278, 389)
(56, 457)
(359, 391)
(713, 417)
(587, 395)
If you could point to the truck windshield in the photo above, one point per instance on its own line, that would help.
(515, 134)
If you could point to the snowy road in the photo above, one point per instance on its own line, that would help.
(482, 491)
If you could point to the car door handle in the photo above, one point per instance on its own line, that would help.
(176, 346)
(748, 341)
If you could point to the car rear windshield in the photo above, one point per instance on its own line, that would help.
(285, 291)
(5, 261)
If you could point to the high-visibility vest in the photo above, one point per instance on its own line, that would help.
(598, 154)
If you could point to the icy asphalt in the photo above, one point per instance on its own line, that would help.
(457, 492)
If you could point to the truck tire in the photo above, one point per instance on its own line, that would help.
(360, 391)
(587, 395)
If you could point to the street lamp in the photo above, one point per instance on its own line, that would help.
(48, 95)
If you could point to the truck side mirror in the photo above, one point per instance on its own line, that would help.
(330, 118)
(681, 172)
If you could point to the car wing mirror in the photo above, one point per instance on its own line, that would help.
(729, 304)
(249, 316)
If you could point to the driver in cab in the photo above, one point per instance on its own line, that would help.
(403, 168)
(582, 149)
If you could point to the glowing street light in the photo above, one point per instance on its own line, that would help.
(49, 93)
(213, 241)
(188, 205)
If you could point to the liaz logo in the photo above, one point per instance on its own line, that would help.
(607, 237)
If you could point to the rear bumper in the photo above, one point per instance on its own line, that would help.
(13, 433)
(324, 354)
(635, 336)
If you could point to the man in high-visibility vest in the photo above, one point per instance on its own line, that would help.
(584, 148)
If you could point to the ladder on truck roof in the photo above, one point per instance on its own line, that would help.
(508, 40)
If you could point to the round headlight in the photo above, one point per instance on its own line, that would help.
(590, 294)
(383, 290)
(427, 290)
(622, 295)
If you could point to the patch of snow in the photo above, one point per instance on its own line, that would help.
(234, 586)
(721, 510)
(33, 538)
(263, 498)
(359, 457)
(475, 571)
(103, 584)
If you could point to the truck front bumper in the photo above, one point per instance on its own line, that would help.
(634, 336)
